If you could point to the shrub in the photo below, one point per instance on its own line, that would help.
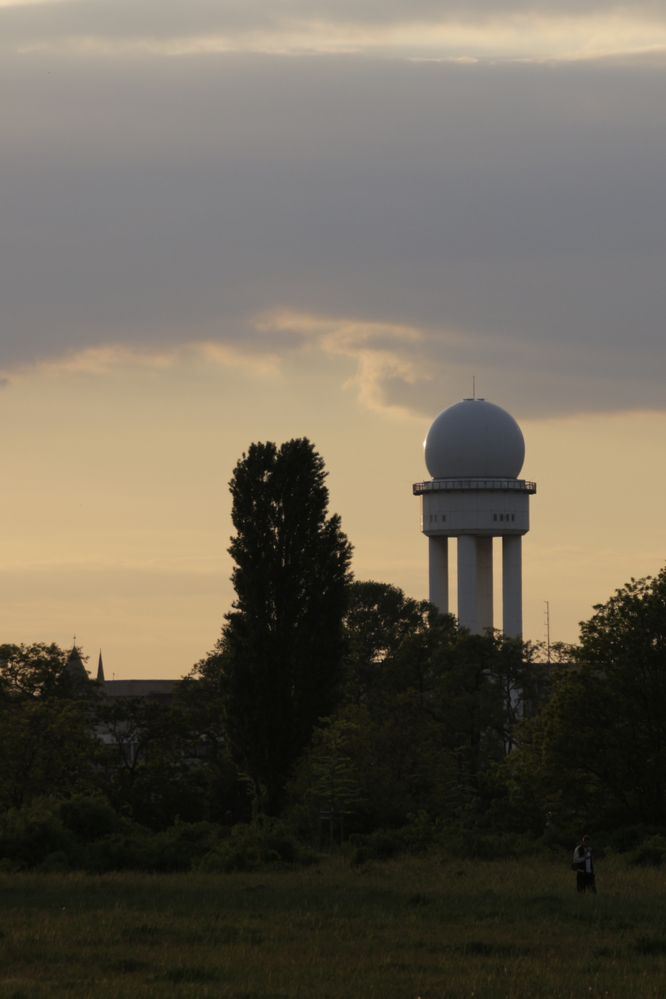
(559, 838)
(131, 848)
(89, 818)
(490, 846)
(30, 834)
(86, 834)
(179, 846)
(628, 838)
(651, 853)
(420, 833)
(134, 848)
(378, 845)
(249, 847)
(55, 863)
(423, 833)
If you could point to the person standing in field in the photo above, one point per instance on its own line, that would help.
(583, 864)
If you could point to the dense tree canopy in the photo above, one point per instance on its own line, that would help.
(37, 670)
(281, 647)
(354, 708)
(379, 618)
(596, 754)
(428, 712)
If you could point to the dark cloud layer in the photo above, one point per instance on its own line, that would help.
(514, 215)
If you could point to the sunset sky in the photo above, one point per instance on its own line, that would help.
(234, 221)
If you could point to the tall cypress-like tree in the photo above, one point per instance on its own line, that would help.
(281, 646)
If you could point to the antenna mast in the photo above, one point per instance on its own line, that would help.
(547, 621)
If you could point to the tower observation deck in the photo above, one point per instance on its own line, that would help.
(474, 452)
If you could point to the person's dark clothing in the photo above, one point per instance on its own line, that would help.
(584, 867)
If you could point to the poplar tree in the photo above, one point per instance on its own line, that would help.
(281, 646)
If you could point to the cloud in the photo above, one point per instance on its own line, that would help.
(107, 358)
(180, 18)
(404, 372)
(380, 352)
(446, 29)
(511, 217)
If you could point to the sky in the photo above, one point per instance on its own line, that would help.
(234, 221)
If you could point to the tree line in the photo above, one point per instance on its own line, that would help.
(332, 709)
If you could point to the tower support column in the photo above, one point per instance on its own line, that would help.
(512, 586)
(484, 583)
(467, 582)
(438, 571)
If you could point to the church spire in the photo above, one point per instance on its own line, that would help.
(74, 666)
(100, 668)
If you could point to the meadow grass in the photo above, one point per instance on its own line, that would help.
(426, 927)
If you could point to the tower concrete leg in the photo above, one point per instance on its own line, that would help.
(484, 583)
(467, 582)
(512, 586)
(438, 570)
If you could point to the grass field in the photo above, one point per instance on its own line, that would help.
(398, 930)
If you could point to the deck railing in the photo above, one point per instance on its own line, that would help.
(474, 485)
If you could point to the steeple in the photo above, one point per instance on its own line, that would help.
(74, 666)
(100, 668)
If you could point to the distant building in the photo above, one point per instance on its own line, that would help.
(154, 690)
(74, 667)
(122, 732)
(474, 452)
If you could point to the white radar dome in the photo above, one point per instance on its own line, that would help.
(474, 439)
